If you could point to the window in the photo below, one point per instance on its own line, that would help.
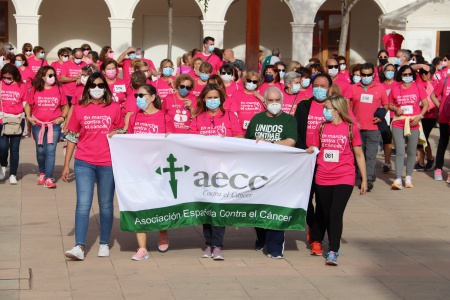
(3, 21)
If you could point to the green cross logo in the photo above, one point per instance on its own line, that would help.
(172, 170)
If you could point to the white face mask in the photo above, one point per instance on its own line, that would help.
(96, 92)
(226, 77)
(83, 79)
(333, 72)
(274, 108)
(342, 67)
(64, 59)
(77, 61)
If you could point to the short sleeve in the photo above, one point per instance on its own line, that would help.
(291, 130)
(170, 127)
(119, 119)
(30, 96)
(193, 126)
(74, 123)
(315, 140)
(356, 136)
(235, 126)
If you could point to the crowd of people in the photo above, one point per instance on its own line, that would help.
(347, 112)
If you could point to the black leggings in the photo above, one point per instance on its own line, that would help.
(330, 205)
(427, 126)
(443, 143)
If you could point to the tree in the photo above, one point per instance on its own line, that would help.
(347, 6)
(169, 44)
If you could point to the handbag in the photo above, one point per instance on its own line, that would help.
(11, 125)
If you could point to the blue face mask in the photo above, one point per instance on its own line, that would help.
(407, 79)
(306, 82)
(389, 74)
(132, 55)
(356, 78)
(295, 88)
(183, 92)
(440, 67)
(167, 71)
(141, 103)
(204, 76)
(41, 55)
(138, 56)
(367, 80)
(398, 61)
(328, 114)
(282, 74)
(320, 94)
(11, 51)
(268, 77)
(18, 63)
(211, 48)
(313, 75)
(213, 104)
(250, 86)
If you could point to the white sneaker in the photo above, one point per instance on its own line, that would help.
(2, 173)
(13, 179)
(76, 253)
(408, 182)
(103, 251)
(397, 185)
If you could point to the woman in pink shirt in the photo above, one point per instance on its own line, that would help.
(26, 73)
(271, 79)
(405, 100)
(140, 65)
(229, 76)
(164, 84)
(184, 63)
(12, 97)
(340, 143)
(292, 85)
(212, 119)
(86, 48)
(27, 50)
(63, 56)
(46, 109)
(118, 87)
(106, 53)
(196, 62)
(181, 105)
(37, 61)
(96, 116)
(205, 71)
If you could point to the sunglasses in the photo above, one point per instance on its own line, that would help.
(341, 64)
(7, 78)
(140, 95)
(65, 55)
(382, 57)
(333, 67)
(254, 81)
(11, 48)
(281, 70)
(407, 74)
(100, 85)
(366, 75)
(226, 73)
(87, 49)
(50, 75)
(28, 50)
(111, 51)
(423, 72)
(188, 87)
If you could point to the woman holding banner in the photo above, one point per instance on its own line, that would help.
(340, 143)
(213, 120)
(92, 119)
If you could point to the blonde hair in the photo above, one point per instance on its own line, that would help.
(340, 104)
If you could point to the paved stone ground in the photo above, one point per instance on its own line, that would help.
(395, 245)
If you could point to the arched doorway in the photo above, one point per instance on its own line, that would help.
(150, 28)
(276, 30)
(363, 42)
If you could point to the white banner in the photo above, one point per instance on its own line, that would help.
(186, 180)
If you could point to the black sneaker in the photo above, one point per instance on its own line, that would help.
(369, 186)
(259, 246)
(429, 164)
(418, 167)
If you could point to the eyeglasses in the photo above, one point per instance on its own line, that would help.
(254, 81)
(407, 74)
(333, 67)
(382, 57)
(7, 78)
(366, 75)
(140, 95)
(226, 73)
(50, 75)
(188, 87)
(99, 85)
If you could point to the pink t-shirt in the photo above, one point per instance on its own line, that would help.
(58, 67)
(27, 76)
(345, 76)
(46, 104)
(246, 106)
(35, 65)
(315, 117)
(78, 95)
(226, 124)
(12, 97)
(127, 68)
(94, 122)
(265, 86)
(158, 122)
(119, 90)
(388, 88)
(193, 75)
(409, 100)
(163, 87)
(346, 88)
(184, 70)
(306, 94)
(429, 89)
(71, 70)
(199, 85)
(213, 59)
(335, 161)
(290, 102)
(130, 102)
(179, 112)
(365, 103)
(393, 43)
(233, 87)
(442, 94)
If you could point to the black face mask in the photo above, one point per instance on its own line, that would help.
(383, 61)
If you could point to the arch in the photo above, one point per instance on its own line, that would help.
(121, 9)
(28, 8)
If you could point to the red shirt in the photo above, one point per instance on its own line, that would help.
(12, 97)
(335, 161)
(409, 100)
(46, 104)
(94, 122)
(365, 103)
(179, 112)
(71, 70)
(222, 124)
(246, 106)
(392, 43)
(158, 122)
(213, 59)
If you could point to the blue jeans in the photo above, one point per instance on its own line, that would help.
(9, 145)
(45, 154)
(85, 176)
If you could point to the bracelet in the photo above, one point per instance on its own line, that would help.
(63, 117)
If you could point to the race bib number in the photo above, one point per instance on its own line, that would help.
(331, 155)
(245, 125)
(407, 109)
(366, 98)
(120, 88)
